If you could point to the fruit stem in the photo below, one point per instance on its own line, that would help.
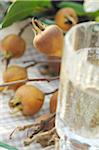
(23, 28)
(16, 109)
(41, 62)
(14, 102)
(29, 80)
(7, 57)
(7, 61)
(37, 26)
(70, 20)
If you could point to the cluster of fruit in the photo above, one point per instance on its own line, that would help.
(27, 98)
(48, 40)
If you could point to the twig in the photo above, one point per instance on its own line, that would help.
(6, 61)
(42, 61)
(32, 65)
(43, 123)
(29, 80)
(38, 132)
(23, 28)
(51, 92)
(43, 138)
(13, 83)
(38, 126)
(22, 128)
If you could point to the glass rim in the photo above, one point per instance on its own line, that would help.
(67, 36)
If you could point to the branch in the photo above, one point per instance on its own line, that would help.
(51, 92)
(40, 129)
(22, 128)
(29, 80)
(43, 125)
(42, 61)
(23, 28)
(44, 138)
(6, 61)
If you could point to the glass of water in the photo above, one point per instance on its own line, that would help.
(77, 119)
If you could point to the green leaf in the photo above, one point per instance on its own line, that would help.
(77, 7)
(22, 9)
(97, 19)
(7, 147)
(93, 14)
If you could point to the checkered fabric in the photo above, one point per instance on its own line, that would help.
(8, 121)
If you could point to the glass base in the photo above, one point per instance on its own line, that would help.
(74, 145)
(63, 145)
(66, 143)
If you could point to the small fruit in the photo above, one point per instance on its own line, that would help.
(48, 40)
(53, 102)
(14, 73)
(13, 46)
(28, 99)
(65, 18)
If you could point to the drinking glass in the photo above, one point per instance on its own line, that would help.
(77, 119)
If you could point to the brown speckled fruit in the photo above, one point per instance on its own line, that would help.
(48, 40)
(13, 46)
(14, 73)
(53, 102)
(66, 18)
(28, 99)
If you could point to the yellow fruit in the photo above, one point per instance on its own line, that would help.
(28, 99)
(14, 73)
(13, 46)
(48, 40)
(65, 18)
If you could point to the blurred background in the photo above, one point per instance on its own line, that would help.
(4, 4)
(88, 7)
